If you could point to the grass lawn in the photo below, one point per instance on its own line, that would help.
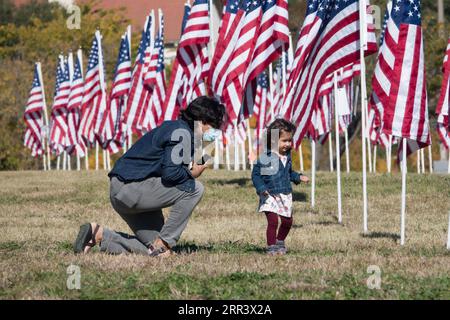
(221, 253)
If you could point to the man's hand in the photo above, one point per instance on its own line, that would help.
(197, 169)
(304, 179)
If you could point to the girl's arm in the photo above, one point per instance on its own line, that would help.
(257, 180)
(295, 176)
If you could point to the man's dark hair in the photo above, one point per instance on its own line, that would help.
(279, 124)
(205, 109)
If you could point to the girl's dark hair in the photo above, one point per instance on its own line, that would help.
(205, 109)
(279, 124)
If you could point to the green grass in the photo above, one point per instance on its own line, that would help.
(221, 253)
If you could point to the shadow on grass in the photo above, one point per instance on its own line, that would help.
(299, 196)
(378, 235)
(242, 182)
(222, 247)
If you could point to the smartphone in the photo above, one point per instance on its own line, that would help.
(206, 158)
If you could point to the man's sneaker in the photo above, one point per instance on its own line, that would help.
(272, 250)
(281, 247)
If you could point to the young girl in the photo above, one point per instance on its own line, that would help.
(272, 176)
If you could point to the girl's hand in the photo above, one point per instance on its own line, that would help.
(304, 179)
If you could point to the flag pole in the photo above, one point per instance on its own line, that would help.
(250, 145)
(430, 158)
(330, 151)
(418, 161)
(86, 156)
(96, 155)
(338, 158)
(347, 154)
(300, 155)
(390, 154)
(448, 231)
(236, 147)
(46, 133)
(244, 162)
(363, 45)
(227, 155)
(448, 169)
(422, 159)
(403, 213)
(272, 115)
(313, 173)
(375, 158)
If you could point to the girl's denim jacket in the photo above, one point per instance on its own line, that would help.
(269, 174)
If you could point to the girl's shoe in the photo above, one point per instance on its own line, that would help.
(272, 250)
(281, 247)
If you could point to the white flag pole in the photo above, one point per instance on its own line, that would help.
(272, 115)
(244, 161)
(422, 159)
(338, 158)
(448, 169)
(58, 163)
(418, 161)
(448, 232)
(389, 154)
(45, 138)
(347, 153)
(313, 173)
(363, 46)
(330, 150)
(96, 155)
(250, 144)
(227, 155)
(403, 213)
(300, 155)
(430, 158)
(375, 158)
(104, 159)
(86, 151)
(236, 147)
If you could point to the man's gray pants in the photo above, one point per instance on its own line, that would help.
(140, 204)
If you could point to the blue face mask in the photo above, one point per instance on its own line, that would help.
(211, 135)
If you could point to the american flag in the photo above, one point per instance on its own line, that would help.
(154, 79)
(229, 81)
(322, 119)
(277, 90)
(192, 57)
(381, 80)
(113, 129)
(273, 36)
(75, 144)
(329, 40)
(58, 131)
(374, 126)
(137, 98)
(406, 114)
(177, 85)
(442, 109)
(33, 116)
(262, 105)
(94, 98)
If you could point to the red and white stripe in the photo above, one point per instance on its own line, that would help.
(58, 130)
(442, 109)
(33, 117)
(337, 46)
(191, 65)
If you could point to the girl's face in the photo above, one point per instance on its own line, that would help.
(285, 142)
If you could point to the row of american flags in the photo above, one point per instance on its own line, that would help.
(253, 37)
